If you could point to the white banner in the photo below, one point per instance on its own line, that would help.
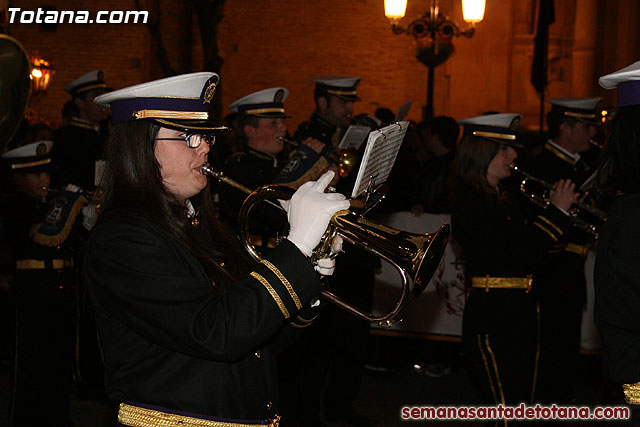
(439, 309)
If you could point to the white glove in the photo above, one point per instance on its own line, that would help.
(326, 266)
(310, 210)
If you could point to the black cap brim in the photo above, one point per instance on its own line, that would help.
(191, 126)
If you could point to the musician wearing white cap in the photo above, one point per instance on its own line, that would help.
(261, 129)
(79, 146)
(42, 287)
(561, 283)
(188, 328)
(334, 97)
(617, 279)
(500, 321)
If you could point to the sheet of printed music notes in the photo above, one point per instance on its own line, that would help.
(379, 156)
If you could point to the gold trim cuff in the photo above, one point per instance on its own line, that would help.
(273, 293)
(285, 282)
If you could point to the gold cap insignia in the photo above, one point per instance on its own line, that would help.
(209, 92)
(41, 149)
(279, 96)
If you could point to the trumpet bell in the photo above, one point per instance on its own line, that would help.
(417, 255)
(429, 258)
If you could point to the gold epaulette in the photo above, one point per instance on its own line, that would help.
(489, 282)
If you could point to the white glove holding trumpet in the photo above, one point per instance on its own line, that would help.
(309, 212)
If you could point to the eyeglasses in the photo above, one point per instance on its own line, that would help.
(193, 140)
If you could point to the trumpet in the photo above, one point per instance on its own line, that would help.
(596, 144)
(415, 256)
(540, 200)
(291, 142)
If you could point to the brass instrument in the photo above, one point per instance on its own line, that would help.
(415, 256)
(589, 226)
(596, 143)
(15, 86)
(345, 159)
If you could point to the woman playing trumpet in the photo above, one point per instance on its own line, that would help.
(188, 329)
(502, 251)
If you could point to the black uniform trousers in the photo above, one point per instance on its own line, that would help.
(500, 338)
(561, 289)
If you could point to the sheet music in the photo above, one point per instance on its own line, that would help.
(354, 137)
(403, 110)
(379, 155)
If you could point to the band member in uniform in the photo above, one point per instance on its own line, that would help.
(185, 331)
(78, 148)
(260, 125)
(500, 321)
(561, 284)
(616, 277)
(40, 228)
(334, 97)
(77, 158)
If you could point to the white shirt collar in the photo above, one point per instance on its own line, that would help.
(575, 157)
(191, 212)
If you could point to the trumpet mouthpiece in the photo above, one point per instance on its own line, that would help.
(288, 141)
(206, 169)
(595, 143)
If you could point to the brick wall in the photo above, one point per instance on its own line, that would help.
(268, 43)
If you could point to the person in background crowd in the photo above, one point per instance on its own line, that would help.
(260, 125)
(385, 116)
(78, 149)
(77, 159)
(616, 277)
(334, 97)
(69, 111)
(561, 283)
(501, 251)
(188, 327)
(433, 184)
(40, 227)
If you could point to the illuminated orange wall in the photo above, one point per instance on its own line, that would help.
(284, 43)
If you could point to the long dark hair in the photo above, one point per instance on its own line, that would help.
(132, 185)
(473, 156)
(620, 165)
